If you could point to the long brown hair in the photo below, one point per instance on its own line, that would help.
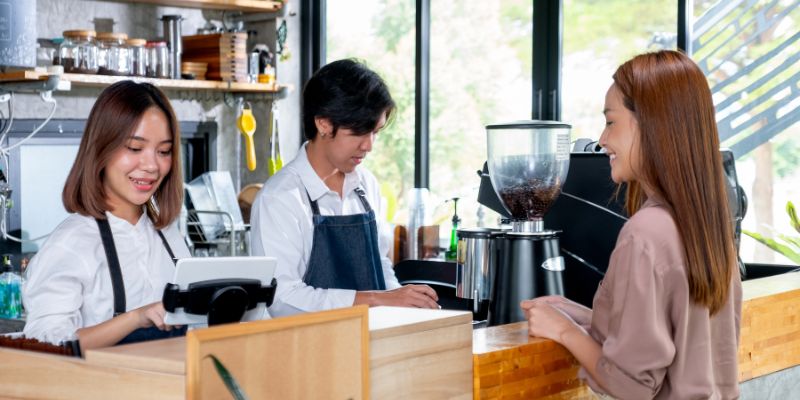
(113, 119)
(681, 163)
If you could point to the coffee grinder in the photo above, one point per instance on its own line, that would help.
(527, 164)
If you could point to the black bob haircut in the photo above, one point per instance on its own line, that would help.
(349, 95)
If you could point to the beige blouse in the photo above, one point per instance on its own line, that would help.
(656, 343)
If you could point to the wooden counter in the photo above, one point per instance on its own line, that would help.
(510, 364)
(413, 353)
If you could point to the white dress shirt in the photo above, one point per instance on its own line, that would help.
(68, 283)
(282, 227)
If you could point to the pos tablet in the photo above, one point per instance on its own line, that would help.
(219, 290)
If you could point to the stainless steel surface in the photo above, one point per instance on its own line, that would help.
(536, 225)
(11, 325)
(172, 35)
(476, 264)
(554, 264)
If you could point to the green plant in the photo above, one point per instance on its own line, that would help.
(230, 382)
(787, 245)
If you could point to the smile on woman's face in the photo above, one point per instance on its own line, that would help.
(620, 137)
(137, 169)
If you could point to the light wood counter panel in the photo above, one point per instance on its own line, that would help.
(420, 354)
(414, 353)
(305, 356)
(167, 356)
(30, 375)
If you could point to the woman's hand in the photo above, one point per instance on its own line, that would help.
(110, 332)
(419, 296)
(152, 315)
(579, 313)
(547, 321)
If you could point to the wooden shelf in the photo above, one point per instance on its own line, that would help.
(264, 6)
(174, 84)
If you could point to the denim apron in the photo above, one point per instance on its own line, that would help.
(141, 334)
(344, 253)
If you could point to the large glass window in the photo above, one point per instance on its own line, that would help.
(480, 74)
(381, 33)
(598, 37)
(750, 51)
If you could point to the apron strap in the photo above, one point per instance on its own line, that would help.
(114, 269)
(166, 246)
(314, 206)
(113, 265)
(362, 195)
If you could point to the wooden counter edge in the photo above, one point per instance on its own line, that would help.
(457, 318)
(769, 342)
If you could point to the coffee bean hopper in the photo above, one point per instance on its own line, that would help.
(527, 163)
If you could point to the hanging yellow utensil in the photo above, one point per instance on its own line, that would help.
(275, 162)
(247, 124)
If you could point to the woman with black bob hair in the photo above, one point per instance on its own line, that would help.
(321, 215)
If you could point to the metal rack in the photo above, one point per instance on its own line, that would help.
(234, 239)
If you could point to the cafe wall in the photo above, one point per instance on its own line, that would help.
(142, 20)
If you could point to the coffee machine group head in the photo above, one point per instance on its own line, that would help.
(527, 166)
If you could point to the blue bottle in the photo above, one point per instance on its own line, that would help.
(12, 290)
(3, 297)
(4, 287)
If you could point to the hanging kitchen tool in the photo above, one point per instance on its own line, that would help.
(275, 162)
(247, 124)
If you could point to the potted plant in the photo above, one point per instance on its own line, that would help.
(787, 245)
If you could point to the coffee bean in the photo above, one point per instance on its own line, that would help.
(532, 199)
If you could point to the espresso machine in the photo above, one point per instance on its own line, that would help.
(498, 268)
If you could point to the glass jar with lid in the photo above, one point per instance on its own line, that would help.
(138, 56)
(158, 60)
(113, 55)
(78, 52)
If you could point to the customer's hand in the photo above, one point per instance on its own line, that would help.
(579, 313)
(419, 296)
(546, 321)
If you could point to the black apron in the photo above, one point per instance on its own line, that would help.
(344, 253)
(141, 334)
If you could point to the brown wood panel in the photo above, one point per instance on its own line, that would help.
(315, 355)
(22, 75)
(770, 338)
(177, 84)
(510, 364)
(235, 5)
(224, 53)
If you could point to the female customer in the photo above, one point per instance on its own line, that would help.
(320, 215)
(101, 274)
(665, 319)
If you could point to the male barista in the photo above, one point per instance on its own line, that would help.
(319, 215)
